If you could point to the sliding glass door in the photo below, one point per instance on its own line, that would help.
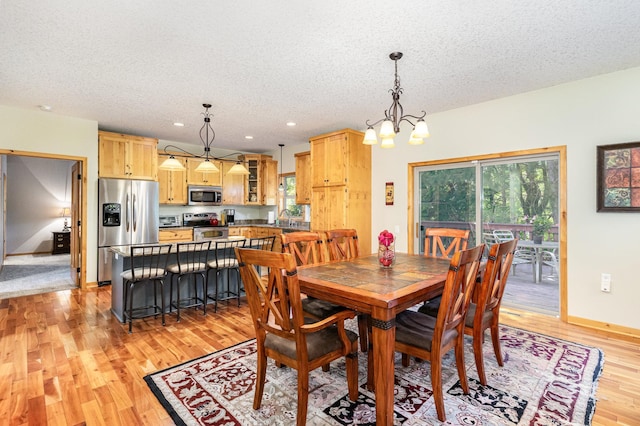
(499, 199)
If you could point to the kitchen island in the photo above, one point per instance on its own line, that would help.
(143, 295)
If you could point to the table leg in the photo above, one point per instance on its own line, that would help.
(538, 265)
(383, 335)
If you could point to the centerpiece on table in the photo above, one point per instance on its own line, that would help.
(386, 249)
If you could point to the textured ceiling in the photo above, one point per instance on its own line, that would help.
(138, 66)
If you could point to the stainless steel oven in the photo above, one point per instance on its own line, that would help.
(205, 233)
(205, 226)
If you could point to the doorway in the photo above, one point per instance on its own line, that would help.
(498, 197)
(54, 200)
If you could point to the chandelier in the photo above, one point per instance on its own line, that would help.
(207, 135)
(394, 116)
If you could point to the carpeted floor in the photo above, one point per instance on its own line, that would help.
(544, 381)
(33, 274)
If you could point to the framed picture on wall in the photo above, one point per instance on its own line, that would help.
(619, 177)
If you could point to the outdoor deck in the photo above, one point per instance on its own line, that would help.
(523, 293)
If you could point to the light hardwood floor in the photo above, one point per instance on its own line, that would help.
(65, 360)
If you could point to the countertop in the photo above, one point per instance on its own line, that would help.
(125, 251)
(304, 227)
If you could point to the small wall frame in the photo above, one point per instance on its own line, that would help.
(618, 177)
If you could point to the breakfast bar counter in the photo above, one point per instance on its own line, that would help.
(143, 295)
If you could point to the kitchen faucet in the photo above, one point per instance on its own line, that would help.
(285, 213)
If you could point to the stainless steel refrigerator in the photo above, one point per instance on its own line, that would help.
(128, 215)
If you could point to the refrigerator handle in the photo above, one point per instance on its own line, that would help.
(135, 216)
(127, 215)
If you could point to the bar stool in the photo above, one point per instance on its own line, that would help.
(148, 264)
(261, 243)
(191, 262)
(224, 260)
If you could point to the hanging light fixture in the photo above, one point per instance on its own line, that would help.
(207, 166)
(281, 186)
(393, 116)
(207, 135)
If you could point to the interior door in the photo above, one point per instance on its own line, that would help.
(76, 223)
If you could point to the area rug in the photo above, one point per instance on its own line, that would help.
(544, 381)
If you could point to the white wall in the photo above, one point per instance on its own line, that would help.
(36, 131)
(581, 115)
(37, 191)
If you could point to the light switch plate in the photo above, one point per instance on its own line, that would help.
(605, 282)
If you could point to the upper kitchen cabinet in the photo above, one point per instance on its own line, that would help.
(341, 184)
(172, 183)
(232, 185)
(270, 182)
(303, 177)
(261, 185)
(200, 178)
(127, 157)
(329, 153)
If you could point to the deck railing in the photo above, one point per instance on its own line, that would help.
(523, 231)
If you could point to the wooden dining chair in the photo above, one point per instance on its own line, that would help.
(281, 331)
(426, 337)
(484, 309)
(343, 245)
(444, 242)
(307, 248)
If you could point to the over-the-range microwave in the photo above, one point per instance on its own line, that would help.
(205, 195)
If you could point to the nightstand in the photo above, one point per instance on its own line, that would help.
(61, 242)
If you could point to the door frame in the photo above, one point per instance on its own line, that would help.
(82, 205)
(561, 151)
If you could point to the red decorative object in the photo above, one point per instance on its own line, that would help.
(386, 249)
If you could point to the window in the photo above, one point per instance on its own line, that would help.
(289, 200)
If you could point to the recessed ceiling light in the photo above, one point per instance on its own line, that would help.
(46, 108)
(178, 124)
(291, 124)
(248, 137)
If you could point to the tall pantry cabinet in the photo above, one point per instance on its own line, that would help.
(341, 184)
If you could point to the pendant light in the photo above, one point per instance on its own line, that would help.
(207, 135)
(394, 116)
(281, 187)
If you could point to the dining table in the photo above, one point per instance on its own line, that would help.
(538, 250)
(364, 285)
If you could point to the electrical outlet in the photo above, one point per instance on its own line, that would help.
(605, 282)
(397, 229)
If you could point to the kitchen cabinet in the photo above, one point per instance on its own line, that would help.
(200, 178)
(175, 235)
(233, 186)
(303, 177)
(172, 184)
(270, 182)
(127, 157)
(236, 231)
(261, 185)
(261, 232)
(61, 242)
(341, 184)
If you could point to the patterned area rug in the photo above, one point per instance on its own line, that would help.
(544, 381)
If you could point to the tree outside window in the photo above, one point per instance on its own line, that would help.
(293, 209)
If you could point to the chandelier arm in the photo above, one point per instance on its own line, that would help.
(181, 150)
(404, 118)
(197, 156)
(377, 122)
